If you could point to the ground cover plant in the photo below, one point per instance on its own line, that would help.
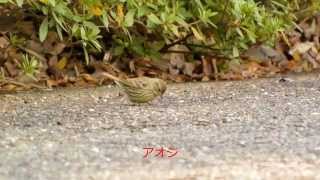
(49, 43)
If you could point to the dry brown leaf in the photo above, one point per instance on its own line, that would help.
(292, 65)
(53, 60)
(57, 48)
(311, 60)
(310, 29)
(205, 79)
(302, 47)
(306, 67)
(4, 43)
(316, 40)
(8, 87)
(89, 78)
(81, 83)
(55, 73)
(62, 63)
(52, 83)
(7, 23)
(189, 68)
(296, 56)
(35, 46)
(52, 44)
(177, 78)
(26, 27)
(11, 69)
(252, 70)
(318, 58)
(264, 54)
(231, 76)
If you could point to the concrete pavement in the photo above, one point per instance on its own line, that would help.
(267, 128)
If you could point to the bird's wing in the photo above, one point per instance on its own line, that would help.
(138, 90)
(141, 82)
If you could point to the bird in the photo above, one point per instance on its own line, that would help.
(140, 89)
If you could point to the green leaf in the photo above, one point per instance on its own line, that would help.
(129, 18)
(19, 2)
(43, 30)
(235, 52)
(154, 19)
(119, 50)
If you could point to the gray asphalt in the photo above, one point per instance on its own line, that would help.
(267, 128)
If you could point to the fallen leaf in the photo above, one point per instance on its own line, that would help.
(4, 43)
(264, 54)
(89, 78)
(35, 46)
(55, 73)
(302, 47)
(62, 63)
(53, 60)
(8, 87)
(26, 27)
(189, 68)
(11, 69)
(205, 79)
(296, 56)
(57, 48)
(311, 60)
(52, 83)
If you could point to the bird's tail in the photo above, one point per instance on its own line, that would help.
(110, 76)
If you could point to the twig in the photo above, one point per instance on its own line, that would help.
(166, 47)
(203, 53)
(27, 86)
(39, 56)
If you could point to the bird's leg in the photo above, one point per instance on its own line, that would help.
(123, 98)
(119, 92)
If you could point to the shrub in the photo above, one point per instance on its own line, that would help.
(148, 27)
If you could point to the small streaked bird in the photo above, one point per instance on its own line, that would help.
(140, 89)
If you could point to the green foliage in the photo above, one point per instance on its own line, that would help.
(146, 27)
(29, 65)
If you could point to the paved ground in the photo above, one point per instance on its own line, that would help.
(228, 130)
